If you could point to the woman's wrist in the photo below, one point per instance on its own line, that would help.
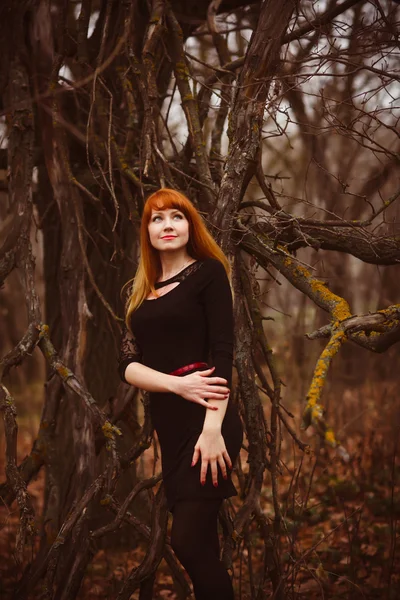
(173, 384)
(212, 427)
(213, 421)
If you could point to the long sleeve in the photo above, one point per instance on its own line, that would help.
(217, 300)
(129, 352)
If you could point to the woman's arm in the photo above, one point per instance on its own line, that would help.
(149, 379)
(217, 300)
(218, 304)
(194, 387)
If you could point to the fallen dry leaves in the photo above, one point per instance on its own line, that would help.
(339, 538)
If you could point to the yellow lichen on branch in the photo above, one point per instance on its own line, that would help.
(316, 289)
(322, 367)
(110, 430)
(330, 437)
(391, 313)
(313, 412)
(339, 311)
(343, 325)
(340, 308)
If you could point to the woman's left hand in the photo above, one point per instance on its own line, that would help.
(211, 447)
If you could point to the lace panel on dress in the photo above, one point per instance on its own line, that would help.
(129, 351)
(182, 275)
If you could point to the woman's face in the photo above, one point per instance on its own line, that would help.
(168, 229)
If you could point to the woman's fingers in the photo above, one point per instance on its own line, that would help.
(211, 448)
(218, 389)
(213, 463)
(222, 466)
(207, 405)
(214, 473)
(195, 456)
(227, 458)
(212, 380)
(213, 389)
(206, 372)
(203, 470)
(215, 396)
(217, 381)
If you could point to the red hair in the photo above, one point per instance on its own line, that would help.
(200, 245)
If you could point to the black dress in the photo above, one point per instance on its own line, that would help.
(191, 323)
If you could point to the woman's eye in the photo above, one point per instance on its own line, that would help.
(179, 216)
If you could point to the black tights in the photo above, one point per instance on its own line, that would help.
(194, 539)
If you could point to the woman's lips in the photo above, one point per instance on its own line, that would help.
(169, 237)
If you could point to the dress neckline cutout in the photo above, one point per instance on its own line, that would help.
(176, 277)
(170, 280)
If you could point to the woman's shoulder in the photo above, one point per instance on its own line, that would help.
(212, 268)
(213, 264)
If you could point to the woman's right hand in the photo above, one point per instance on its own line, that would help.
(199, 385)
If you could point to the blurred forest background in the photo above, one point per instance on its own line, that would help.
(279, 120)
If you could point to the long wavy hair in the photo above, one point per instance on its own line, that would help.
(200, 245)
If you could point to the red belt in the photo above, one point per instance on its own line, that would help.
(186, 368)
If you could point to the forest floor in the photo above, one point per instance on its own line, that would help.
(340, 527)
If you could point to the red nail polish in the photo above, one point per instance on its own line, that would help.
(216, 484)
(202, 482)
(192, 465)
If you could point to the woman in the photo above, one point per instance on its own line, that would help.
(178, 345)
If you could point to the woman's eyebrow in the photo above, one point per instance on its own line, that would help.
(174, 210)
